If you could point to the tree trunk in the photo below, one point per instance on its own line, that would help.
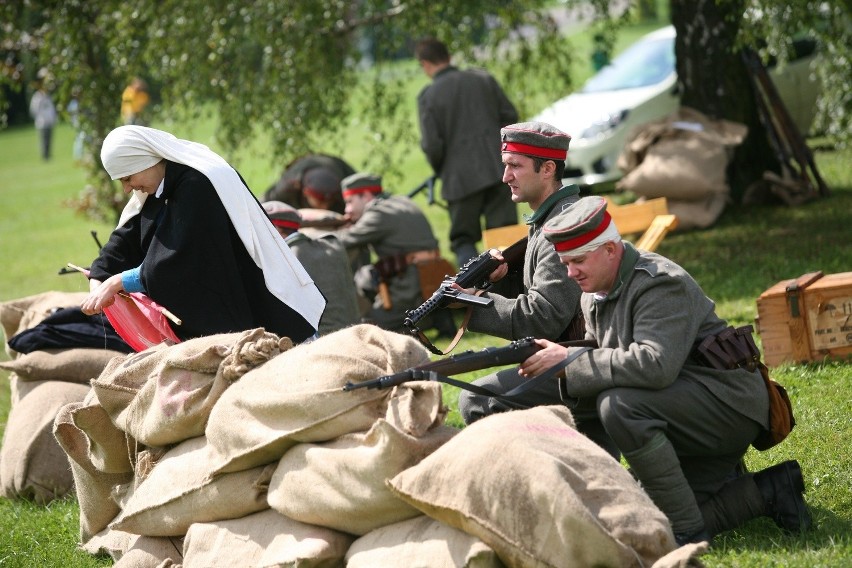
(714, 80)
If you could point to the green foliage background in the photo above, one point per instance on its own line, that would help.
(290, 75)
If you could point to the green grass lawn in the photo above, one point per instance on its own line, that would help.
(747, 251)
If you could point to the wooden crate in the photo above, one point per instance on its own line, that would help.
(828, 304)
(806, 318)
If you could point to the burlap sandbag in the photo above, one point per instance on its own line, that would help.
(121, 379)
(111, 450)
(263, 539)
(539, 493)
(77, 365)
(298, 397)
(682, 165)
(341, 484)
(698, 214)
(24, 313)
(135, 551)
(682, 156)
(93, 487)
(178, 491)
(110, 542)
(176, 396)
(420, 542)
(18, 388)
(32, 464)
(152, 552)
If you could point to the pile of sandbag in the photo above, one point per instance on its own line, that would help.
(243, 450)
(32, 465)
(225, 451)
(683, 157)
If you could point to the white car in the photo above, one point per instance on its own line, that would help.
(639, 86)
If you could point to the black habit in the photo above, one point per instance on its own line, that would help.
(194, 263)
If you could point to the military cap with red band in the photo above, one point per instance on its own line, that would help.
(283, 215)
(579, 225)
(537, 139)
(361, 183)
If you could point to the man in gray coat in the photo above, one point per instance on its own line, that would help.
(399, 235)
(460, 114)
(681, 424)
(540, 300)
(327, 263)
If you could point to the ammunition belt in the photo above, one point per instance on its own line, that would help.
(730, 349)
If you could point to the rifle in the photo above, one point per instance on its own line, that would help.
(514, 353)
(428, 184)
(474, 273)
(784, 137)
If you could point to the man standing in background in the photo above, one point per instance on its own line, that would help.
(43, 112)
(134, 99)
(460, 115)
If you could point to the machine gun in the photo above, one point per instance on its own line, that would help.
(473, 274)
(514, 353)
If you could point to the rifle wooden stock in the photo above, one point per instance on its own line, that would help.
(516, 352)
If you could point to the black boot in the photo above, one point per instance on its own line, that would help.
(700, 536)
(782, 486)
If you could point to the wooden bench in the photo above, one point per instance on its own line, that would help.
(651, 218)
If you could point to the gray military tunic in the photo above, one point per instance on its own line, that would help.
(327, 263)
(541, 301)
(646, 329)
(645, 382)
(461, 113)
(391, 225)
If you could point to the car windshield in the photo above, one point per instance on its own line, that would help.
(645, 63)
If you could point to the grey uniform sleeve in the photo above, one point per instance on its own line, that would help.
(543, 311)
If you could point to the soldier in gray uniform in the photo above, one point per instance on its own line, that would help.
(540, 300)
(399, 235)
(682, 425)
(460, 116)
(327, 263)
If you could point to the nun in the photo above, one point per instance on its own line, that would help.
(196, 240)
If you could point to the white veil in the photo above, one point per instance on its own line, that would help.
(130, 149)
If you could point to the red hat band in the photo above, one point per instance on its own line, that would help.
(585, 238)
(364, 189)
(539, 151)
(286, 224)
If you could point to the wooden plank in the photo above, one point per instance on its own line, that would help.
(637, 217)
(660, 227)
(501, 237)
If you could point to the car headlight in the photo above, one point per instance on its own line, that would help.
(604, 126)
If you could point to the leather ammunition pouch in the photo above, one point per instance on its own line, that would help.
(390, 266)
(730, 349)
(431, 268)
(393, 265)
(735, 348)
